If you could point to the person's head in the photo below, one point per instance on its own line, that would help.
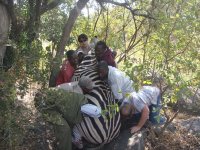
(100, 48)
(103, 69)
(127, 110)
(86, 84)
(83, 40)
(72, 57)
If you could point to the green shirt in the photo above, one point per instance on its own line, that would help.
(58, 106)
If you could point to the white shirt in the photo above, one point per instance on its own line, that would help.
(121, 85)
(146, 96)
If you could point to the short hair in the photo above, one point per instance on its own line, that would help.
(70, 53)
(102, 65)
(102, 43)
(82, 36)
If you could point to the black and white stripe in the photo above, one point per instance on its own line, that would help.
(103, 129)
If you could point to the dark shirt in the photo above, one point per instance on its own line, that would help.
(108, 57)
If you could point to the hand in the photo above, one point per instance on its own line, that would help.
(135, 129)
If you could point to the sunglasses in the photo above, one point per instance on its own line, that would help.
(83, 40)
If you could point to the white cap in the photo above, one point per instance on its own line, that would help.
(91, 110)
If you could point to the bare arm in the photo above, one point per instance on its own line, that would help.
(143, 119)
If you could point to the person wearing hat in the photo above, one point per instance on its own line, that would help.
(65, 106)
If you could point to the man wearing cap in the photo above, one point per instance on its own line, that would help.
(64, 107)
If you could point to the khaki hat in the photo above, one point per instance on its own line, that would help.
(86, 82)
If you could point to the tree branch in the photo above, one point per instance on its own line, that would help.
(52, 5)
(127, 6)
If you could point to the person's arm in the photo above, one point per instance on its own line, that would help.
(143, 119)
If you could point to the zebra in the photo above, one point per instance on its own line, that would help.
(105, 128)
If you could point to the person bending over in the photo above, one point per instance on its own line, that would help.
(121, 85)
(64, 107)
(146, 104)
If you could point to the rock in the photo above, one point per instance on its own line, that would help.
(190, 100)
(192, 125)
(126, 141)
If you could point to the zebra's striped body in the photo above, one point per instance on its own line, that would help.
(103, 129)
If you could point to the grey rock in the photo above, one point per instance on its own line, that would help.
(126, 141)
(191, 124)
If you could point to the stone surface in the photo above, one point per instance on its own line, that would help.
(192, 125)
(126, 141)
(190, 100)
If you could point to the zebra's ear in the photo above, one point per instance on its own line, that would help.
(91, 110)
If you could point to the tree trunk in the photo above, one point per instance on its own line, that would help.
(74, 13)
(4, 31)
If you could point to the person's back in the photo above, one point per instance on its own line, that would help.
(149, 94)
(66, 104)
(120, 83)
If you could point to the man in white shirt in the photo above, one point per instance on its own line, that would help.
(121, 85)
(146, 102)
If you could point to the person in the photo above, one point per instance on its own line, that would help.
(121, 85)
(64, 108)
(68, 68)
(145, 104)
(102, 52)
(84, 45)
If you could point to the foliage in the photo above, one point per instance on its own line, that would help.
(162, 47)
